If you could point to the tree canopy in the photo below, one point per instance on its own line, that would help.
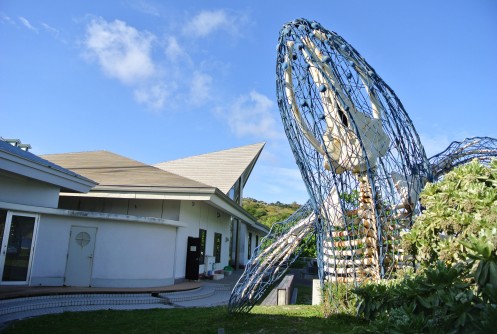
(269, 213)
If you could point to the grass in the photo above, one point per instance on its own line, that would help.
(304, 295)
(299, 318)
(262, 319)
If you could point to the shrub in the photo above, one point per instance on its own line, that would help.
(439, 300)
(338, 298)
(455, 242)
(457, 207)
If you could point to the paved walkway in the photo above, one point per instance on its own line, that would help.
(24, 302)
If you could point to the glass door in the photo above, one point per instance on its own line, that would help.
(17, 247)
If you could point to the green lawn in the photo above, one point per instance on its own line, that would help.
(262, 319)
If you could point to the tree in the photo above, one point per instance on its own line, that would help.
(271, 213)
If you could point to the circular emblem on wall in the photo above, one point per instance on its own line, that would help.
(83, 239)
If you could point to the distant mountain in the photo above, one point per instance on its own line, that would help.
(269, 213)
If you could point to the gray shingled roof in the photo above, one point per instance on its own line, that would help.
(218, 169)
(113, 170)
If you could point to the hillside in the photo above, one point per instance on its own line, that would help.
(269, 213)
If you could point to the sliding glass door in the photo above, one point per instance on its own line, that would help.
(19, 233)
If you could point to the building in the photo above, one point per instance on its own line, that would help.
(137, 225)
(29, 195)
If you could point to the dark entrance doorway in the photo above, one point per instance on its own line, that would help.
(192, 258)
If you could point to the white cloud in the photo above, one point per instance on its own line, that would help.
(27, 24)
(173, 49)
(5, 18)
(125, 53)
(146, 8)
(170, 78)
(122, 51)
(251, 115)
(153, 96)
(200, 88)
(207, 22)
(51, 30)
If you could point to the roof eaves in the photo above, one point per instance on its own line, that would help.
(160, 189)
(252, 220)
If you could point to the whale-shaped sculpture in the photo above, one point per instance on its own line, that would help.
(361, 160)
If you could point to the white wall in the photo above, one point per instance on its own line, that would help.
(199, 215)
(126, 254)
(22, 190)
(242, 244)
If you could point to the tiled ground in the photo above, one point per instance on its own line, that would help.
(29, 302)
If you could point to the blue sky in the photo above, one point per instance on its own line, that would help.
(161, 80)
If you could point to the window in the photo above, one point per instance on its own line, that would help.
(256, 240)
(249, 253)
(202, 234)
(217, 246)
(234, 193)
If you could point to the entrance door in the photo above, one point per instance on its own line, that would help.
(192, 258)
(80, 256)
(19, 233)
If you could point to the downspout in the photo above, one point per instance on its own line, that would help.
(236, 245)
(175, 251)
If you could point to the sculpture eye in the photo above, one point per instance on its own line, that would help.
(343, 118)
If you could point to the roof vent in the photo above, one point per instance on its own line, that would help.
(17, 143)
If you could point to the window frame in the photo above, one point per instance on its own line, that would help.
(218, 239)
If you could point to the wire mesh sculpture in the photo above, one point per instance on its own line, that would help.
(361, 160)
(459, 153)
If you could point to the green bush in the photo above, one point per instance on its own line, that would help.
(455, 243)
(457, 207)
(436, 299)
(339, 299)
(439, 300)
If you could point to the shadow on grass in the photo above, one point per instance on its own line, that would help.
(282, 319)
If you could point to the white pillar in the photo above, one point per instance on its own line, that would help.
(316, 292)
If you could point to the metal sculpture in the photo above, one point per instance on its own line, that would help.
(361, 160)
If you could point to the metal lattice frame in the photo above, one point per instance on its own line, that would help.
(271, 259)
(360, 158)
(459, 153)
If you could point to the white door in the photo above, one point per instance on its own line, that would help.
(17, 238)
(80, 256)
